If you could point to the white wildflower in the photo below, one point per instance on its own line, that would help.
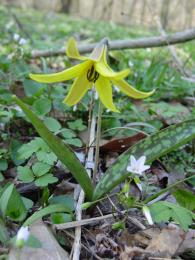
(16, 37)
(147, 214)
(137, 166)
(22, 41)
(130, 63)
(22, 236)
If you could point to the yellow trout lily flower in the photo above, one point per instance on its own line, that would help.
(93, 71)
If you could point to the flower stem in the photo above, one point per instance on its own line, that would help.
(89, 158)
(98, 136)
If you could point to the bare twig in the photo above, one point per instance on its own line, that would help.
(93, 220)
(157, 41)
(89, 250)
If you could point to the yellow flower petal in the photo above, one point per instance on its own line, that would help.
(77, 90)
(107, 72)
(131, 91)
(72, 50)
(73, 72)
(103, 68)
(104, 89)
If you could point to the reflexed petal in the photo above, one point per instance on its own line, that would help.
(131, 91)
(73, 72)
(104, 89)
(72, 50)
(77, 90)
(106, 71)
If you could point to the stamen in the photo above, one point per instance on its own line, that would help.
(96, 76)
(92, 75)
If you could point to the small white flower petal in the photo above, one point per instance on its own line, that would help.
(23, 234)
(133, 160)
(137, 166)
(147, 214)
(22, 41)
(16, 37)
(129, 168)
(145, 167)
(141, 161)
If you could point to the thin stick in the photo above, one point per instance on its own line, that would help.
(98, 135)
(89, 221)
(77, 240)
(146, 42)
(85, 247)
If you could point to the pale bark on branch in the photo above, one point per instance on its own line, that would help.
(147, 42)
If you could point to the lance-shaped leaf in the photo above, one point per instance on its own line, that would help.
(46, 211)
(62, 151)
(152, 147)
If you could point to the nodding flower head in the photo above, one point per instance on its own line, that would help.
(93, 71)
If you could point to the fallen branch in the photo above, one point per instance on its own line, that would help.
(157, 41)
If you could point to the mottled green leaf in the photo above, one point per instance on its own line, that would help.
(153, 147)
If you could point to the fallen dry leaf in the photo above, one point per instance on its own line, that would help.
(122, 144)
(167, 242)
